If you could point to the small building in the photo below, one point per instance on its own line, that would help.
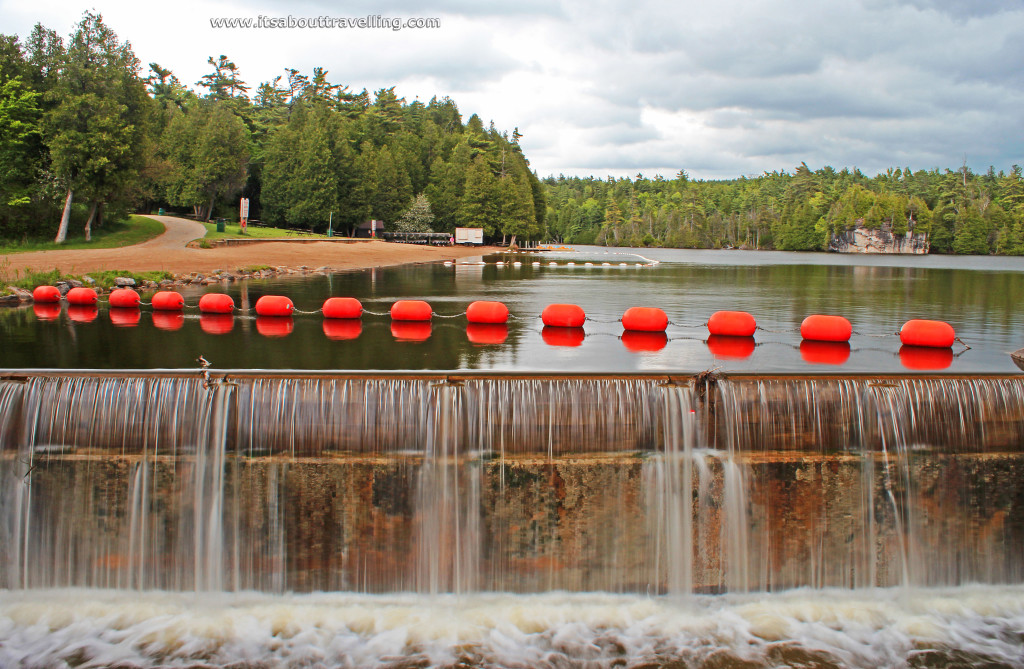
(368, 229)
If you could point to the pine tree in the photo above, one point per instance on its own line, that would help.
(478, 208)
(95, 129)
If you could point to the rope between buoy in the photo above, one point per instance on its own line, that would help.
(434, 313)
(966, 347)
(376, 313)
(306, 313)
(684, 325)
(775, 331)
(865, 334)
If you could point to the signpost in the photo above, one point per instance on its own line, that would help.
(243, 213)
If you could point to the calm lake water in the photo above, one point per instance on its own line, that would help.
(979, 296)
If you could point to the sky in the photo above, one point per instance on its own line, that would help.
(718, 89)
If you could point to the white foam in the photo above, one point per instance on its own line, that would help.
(854, 628)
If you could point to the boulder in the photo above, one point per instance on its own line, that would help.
(124, 282)
(22, 294)
(1018, 357)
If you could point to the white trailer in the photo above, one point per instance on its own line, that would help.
(469, 236)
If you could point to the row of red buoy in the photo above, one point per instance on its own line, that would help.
(723, 347)
(817, 327)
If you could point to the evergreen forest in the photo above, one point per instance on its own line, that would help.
(87, 135)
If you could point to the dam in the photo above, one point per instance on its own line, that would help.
(484, 519)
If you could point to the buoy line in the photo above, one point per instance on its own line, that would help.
(735, 329)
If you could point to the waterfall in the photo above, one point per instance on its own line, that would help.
(522, 484)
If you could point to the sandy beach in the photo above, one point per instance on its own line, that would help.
(169, 252)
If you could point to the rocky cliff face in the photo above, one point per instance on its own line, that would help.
(878, 240)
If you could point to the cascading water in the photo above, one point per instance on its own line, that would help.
(163, 520)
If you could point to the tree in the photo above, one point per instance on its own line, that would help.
(417, 218)
(20, 148)
(225, 82)
(478, 208)
(393, 188)
(209, 150)
(314, 185)
(94, 132)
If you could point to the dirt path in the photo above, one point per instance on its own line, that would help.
(169, 253)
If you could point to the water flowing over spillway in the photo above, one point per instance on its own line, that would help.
(171, 520)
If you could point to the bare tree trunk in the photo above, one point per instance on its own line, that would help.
(62, 231)
(99, 215)
(88, 222)
(209, 209)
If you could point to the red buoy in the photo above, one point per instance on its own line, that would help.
(483, 311)
(410, 330)
(730, 347)
(826, 328)
(918, 332)
(925, 358)
(411, 310)
(555, 335)
(484, 334)
(168, 300)
(274, 305)
(563, 316)
(46, 294)
(644, 319)
(274, 326)
(169, 320)
(342, 329)
(732, 324)
(46, 311)
(639, 341)
(816, 352)
(124, 297)
(216, 324)
(218, 303)
(81, 296)
(83, 313)
(125, 317)
(342, 307)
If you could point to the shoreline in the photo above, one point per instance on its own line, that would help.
(281, 254)
(196, 266)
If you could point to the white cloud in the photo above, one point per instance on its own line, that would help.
(720, 89)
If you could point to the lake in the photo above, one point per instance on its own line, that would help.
(977, 295)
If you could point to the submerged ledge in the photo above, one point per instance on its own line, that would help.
(455, 375)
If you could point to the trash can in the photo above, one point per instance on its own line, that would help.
(220, 224)
(160, 211)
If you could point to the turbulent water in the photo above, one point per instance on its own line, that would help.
(978, 626)
(238, 521)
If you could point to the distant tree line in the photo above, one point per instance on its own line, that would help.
(959, 211)
(84, 135)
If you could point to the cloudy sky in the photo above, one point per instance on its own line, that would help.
(720, 89)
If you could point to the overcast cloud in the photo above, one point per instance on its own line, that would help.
(610, 88)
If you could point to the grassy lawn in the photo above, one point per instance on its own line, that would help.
(232, 231)
(135, 230)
